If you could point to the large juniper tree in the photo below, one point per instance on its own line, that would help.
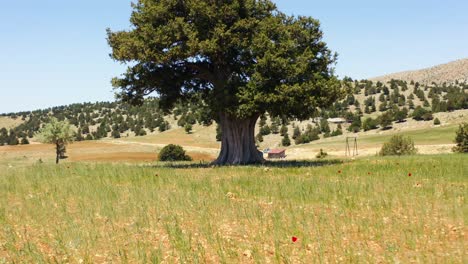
(244, 57)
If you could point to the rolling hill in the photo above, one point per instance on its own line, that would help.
(448, 72)
(115, 131)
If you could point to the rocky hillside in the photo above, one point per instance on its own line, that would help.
(449, 72)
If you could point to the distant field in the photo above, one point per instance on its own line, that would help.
(204, 137)
(8, 123)
(202, 145)
(365, 211)
(436, 135)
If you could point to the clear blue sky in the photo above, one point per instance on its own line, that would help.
(54, 52)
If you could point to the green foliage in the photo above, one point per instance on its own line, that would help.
(337, 132)
(286, 141)
(400, 115)
(421, 114)
(274, 127)
(58, 133)
(3, 136)
(24, 141)
(163, 126)
(324, 126)
(173, 152)
(188, 128)
(262, 121)
(245, 60)
(369, 124)
(322, 154)
(356, 124)
(12, 139)
(309, 135)
(385, 120)
(259, 137)
(283, 130)
(436, 121)
(398, 145)
(265, 130)
(461, 139)
(115, 134)
(296, 132)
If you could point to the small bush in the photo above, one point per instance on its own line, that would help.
(421, 114)
(322, 154)
(436, 121)
(286, 141)
(188, 128)
(173, 152)
(397, 146)
(369, 124)
(462, 139)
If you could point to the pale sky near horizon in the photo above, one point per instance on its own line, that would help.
(55, 52)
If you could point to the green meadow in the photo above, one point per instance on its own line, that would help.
(408, 209)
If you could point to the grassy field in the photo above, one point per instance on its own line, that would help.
(433, 136)
(371, 210)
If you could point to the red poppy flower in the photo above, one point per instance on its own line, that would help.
(409, 174)
(294, 239)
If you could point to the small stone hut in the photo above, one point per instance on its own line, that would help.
(277, 154)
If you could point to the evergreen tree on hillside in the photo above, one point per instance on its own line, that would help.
(400, 115)
(296, 133)
(12, 138)
(369, 124)
(283, 130)
(461, 139)
(24, 141)
(3, 136)
(286, 141)
(385, 120)
(324, 126)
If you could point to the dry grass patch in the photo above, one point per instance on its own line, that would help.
(365, 211)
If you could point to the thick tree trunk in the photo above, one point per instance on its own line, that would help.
(238, 141)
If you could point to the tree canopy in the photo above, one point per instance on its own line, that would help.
(244, 57)
(58, 133)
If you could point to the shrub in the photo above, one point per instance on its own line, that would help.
(265, 130)
(286, 141)
(461, 139)
(369, 124)
(296, 133)
(173, 152)
(398, 145)
(421, 114)
(436, 121)
(400, 115)
(259, 137)
(283, 130)
(385, 120)
(322, 154)
(188, 128)
(24, 141)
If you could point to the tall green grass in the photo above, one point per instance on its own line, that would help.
(368, 210)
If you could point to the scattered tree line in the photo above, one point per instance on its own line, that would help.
(93, 121)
